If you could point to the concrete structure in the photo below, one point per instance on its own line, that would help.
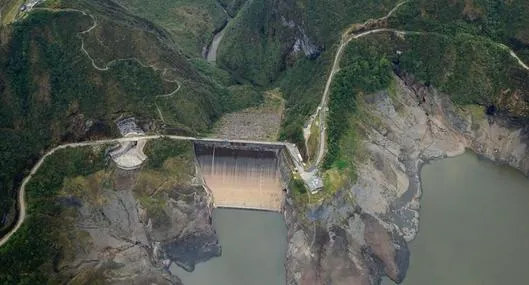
(242, 176)
(311, 177)
(129, 155)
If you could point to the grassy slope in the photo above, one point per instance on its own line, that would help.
(35, 252)
(49, 88)
(257, 42)
(47, 84)
(302, 87)
(29, 256)
(502, 21)
(232, 6)
(190, 22)
(470, 69)
(9, 11)
(256, 45)
(170, 165)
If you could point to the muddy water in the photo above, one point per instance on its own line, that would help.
(473, 228)
(253, 251)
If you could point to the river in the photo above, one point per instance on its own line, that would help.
(210, 52)
(254, 246)
(473, 226)
(211, 55)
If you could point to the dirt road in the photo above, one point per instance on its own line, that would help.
(322, 108)
(347, 37)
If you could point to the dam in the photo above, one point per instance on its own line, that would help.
(242, 175)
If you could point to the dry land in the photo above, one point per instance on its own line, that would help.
(256, 123)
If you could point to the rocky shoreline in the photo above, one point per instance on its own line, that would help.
(407, 128)
(131, 237)
(355, 237)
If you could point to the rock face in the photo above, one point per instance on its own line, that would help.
(418, 124)
(189, 237)
(126, 244)
(338, 244)
(342, 245)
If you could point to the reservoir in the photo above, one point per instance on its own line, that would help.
(254, 246)
(473, 226)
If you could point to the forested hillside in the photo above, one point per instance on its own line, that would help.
(460, 47)
(70, 68)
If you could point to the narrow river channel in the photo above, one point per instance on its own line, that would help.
(210, 52)
(253, 251)
(473, 227)
(211, 55)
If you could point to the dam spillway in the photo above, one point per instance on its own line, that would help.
(242, 176)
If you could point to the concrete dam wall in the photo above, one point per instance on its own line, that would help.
(243, 176)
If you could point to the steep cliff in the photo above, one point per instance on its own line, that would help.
(338, 243)
(90, 223)
(70, 68)
(361, 232)
(268, 36)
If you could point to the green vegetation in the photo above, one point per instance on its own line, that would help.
(249, 50)
(232, 6)
(36, 253)
(50, 90)
(28, 257)
(501, 21)
(10, 9)
(158, 151)
(298, 190)
(363, 70)
(191, 23)
(243, 96)
(257, 44)
(313, 141)
(465, 25)
(265, 59)
(470, 69)
(170, 166)
(49, 86)
(302, 87)
(155, 211)
(218, 75)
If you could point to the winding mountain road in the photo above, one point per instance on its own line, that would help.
(22, 191)
(347, 37)
(320, 112)
(108, 65)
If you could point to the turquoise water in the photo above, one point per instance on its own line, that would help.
(254, 246)
(474, 227)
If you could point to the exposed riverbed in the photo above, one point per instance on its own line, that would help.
(253, 251)
(473, 227)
